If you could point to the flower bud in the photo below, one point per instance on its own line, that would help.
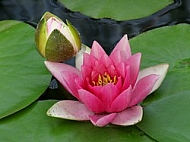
(55, 40)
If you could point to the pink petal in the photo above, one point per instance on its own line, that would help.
(69, 82)
(160, 70)
(117, 57)
(67, 109)
(111, 70)
(79, 83)
(126, 79)
(122, 101)
(94, 75)
(52, 24)
(121, 69)
(134, 63)
(119, 83)
(95, 90)
(65, 74)
(142, 89)
(99, 67)
(102, 120)
(107, 94)
(130, 116)
(89, 60)
(80, 56)
(91, 101)
(106, 60)
(86, 71)
(96, 66)
(122, 51)
(97, 51)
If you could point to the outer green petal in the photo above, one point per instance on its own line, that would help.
(41, 33)
(75, 35)
(41, 37)
(58, 48)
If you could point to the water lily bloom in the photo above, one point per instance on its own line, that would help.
(55, 40)
(109, 89)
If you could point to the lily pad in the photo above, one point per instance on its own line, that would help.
(23, 74)
(166, 45)
(166, 112)
(168, 119)
(118, 10)
(35, 125)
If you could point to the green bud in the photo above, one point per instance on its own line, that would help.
(55, 40)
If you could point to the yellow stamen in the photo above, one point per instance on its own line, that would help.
(104, 79)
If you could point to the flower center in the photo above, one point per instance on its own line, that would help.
(105, 79)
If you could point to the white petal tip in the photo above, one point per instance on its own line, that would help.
(130, 116)
(67, 109)
(159, 70)
(80, 54)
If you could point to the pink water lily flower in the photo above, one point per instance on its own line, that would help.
(109, 89)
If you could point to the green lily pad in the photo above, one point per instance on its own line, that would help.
(118, 10)
(168, 120)
(166, 45)
(23, 74)
(35, 125)
(167, 110)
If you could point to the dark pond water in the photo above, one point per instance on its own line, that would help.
(31, 11)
